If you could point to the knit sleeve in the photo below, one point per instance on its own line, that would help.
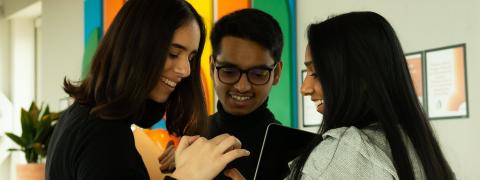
(341, 155)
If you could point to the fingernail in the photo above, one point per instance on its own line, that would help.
(248, 152)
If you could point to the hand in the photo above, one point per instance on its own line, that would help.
(233, 174)
(167, 159)
(199, 158)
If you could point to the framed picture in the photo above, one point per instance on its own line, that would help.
(310, 115)
(446, 82)
(416, 68)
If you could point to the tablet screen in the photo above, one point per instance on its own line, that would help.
(280, 146)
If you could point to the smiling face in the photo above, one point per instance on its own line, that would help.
(242, 97)
(177, 65)
(311, 85)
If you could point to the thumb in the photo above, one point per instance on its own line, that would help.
(185, 141)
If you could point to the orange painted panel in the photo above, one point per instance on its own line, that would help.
(225, 7)
(110, 10)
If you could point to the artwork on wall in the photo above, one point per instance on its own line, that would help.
(415, 66)
(310, 115)
(446, 82)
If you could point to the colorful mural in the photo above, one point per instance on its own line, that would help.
(100, 13)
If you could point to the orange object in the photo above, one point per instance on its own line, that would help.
(110, 10)
(161, 137)
(225, 7)
(31, 171)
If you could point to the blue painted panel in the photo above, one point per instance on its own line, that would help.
(293, 42)
(93, 14)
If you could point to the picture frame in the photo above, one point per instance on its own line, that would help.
(416, 67)
(446, 82)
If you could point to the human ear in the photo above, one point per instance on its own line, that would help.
(277, 72)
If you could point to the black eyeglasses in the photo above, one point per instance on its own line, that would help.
(231, 75)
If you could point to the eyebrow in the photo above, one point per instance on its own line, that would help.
(179, 46)
(227, 64)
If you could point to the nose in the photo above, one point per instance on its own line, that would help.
(243, 84)
(183, 68)
(307, 88)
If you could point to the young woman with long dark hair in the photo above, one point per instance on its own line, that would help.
(373, 124)
(148, 64)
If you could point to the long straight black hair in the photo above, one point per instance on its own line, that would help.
(365, 80)
(130, 59)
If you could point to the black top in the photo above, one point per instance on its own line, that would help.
(249, 129)
(85, 147)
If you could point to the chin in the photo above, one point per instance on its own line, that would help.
(160, 99)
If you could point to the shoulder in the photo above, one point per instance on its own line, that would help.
(275, 121)
(270, 118)
(213, 116)
(347, 152)
(78, 129)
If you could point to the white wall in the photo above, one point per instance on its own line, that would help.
(61, 55)
(62, 36)
(4, 57)
(4, 169)
(423, 25)
(22, 52)
(23, 63)
(13, 6)
(4, 80)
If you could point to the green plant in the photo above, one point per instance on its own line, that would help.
(37, 128)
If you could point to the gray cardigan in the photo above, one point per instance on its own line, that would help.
(352, 153)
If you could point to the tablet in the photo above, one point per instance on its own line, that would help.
(280, 146)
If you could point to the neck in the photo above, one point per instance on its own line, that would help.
(258, 115)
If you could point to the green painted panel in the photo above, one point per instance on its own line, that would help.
(90, 48)
(280, 101)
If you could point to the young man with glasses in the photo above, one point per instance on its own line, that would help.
(245, 64)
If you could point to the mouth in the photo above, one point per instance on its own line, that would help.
(240, 97)
(318, 102)
(168, 82)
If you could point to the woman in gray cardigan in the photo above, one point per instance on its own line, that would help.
(373, 125)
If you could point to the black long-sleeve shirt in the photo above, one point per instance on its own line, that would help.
(249, 129)
(83, 147)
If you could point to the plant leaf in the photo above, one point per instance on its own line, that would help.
(13, 149)
(39, 149)
(34, 111)
(28, 129)
(44, 131)
(37, 127)
(16, 139)
(47, 110)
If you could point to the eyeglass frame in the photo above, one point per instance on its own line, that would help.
(270, 69)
